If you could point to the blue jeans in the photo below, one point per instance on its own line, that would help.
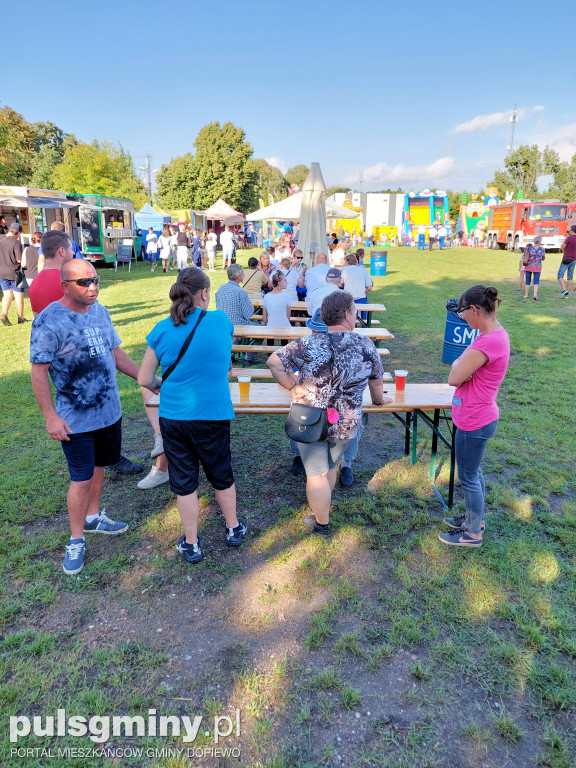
(421, 239)
(470, 447)
(442, 241)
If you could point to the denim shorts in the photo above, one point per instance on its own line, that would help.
(319, 458)
(563, 268)
(86, 450)
(529, 277)
(10, 285)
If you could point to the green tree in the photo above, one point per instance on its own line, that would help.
(564, 185)
(222, 166)
(454, 200)
(334, 190)
(17, 146)
(270, 182)
(175, 186)
(523, 167)
(99, 168)
(49, 155)
(297, 175)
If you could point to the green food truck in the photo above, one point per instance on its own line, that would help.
(100, 223)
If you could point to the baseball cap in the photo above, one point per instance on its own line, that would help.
(316, 323)
(333, 272)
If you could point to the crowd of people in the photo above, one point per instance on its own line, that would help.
(74, 343)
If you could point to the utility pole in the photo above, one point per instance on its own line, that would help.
(147, 168)
(513, 120)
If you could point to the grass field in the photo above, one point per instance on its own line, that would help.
(379, 647)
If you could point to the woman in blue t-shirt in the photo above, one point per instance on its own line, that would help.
(195, 406)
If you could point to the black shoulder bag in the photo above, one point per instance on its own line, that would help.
(185, 346)
(306, 423)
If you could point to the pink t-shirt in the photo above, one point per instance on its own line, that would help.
(474, 403)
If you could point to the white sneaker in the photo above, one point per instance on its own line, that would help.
(153, 478)
(158, 449)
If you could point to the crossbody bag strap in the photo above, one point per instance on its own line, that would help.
(185, 346)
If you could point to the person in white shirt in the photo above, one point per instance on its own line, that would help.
(432, 235)
(295, 274)
(442, 232)
(421, 237)
(339, 254)
(276, 304)
(165, 248)
(227, 243)
(356, 280)
(211, 243)
(151, 248)
(333, 283)
(316, 276)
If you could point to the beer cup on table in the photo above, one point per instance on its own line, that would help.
(400, 379)
(244, 386)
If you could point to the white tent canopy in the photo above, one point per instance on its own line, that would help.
(289, 210)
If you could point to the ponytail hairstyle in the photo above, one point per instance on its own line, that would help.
(184, 293)
(480, 296)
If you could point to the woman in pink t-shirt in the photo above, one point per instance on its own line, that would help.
(477, 375)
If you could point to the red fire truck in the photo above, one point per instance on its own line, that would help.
(571, 216)
(513, 225)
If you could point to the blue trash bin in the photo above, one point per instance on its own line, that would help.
(458, 335)
(378, 263)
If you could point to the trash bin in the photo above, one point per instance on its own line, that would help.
(378, 261)
(458, 334)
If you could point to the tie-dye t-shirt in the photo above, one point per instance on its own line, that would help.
(79, 347)
(339, 381)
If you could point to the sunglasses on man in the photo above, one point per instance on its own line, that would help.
(84, 282)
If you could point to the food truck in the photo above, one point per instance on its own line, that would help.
(34, 209)
(101, 223)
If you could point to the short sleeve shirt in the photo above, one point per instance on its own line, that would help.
(474, 403)
(337, 381)
(569, 253)
(198, 388)
(535, 255)
(79, 346)
(46, 288)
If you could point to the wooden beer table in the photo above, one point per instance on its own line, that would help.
(409, 407)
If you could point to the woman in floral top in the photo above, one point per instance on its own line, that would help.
(534, 255)
(333, 370)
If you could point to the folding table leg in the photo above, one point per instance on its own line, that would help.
(434, 448)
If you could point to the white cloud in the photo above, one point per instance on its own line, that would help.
(483, 122)
(404, 174)
(538, 108)
(277, 163)
(562, 139)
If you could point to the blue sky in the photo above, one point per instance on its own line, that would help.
(413, 94)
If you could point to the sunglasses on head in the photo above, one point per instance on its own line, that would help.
(84, 282)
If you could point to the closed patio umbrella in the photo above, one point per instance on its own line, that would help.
(312, 234)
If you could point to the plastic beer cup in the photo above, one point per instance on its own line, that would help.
(400, 377)
(244, 386)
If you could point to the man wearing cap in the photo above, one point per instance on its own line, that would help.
(317, 325)
(568, 249)
(333, 283)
